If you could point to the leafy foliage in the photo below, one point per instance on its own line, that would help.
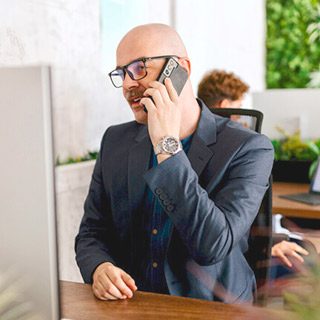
(293, 46)
(292, 147)
(304, 300)
(91, 155)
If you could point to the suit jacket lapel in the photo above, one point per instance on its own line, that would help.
(140, 153)
(205, 135)
(138, 164)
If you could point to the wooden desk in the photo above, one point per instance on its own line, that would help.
(292, 208)
(78, 302)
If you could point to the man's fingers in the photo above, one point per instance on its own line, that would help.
(120, 284)
(109, 287)
(148, 103)
(301, 250)
(297, 256)
(155, 94)
(108, 296)
(100, 292)
(173, 95)
(114, 285)
(111, 293)
(285, 249)
(114, 291)
(129, 281)
(285, 260)
(161, 88)
(109, 284)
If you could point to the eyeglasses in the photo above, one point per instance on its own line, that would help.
(136, 70)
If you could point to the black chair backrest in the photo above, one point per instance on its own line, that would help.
(256, 115)
(260, 238)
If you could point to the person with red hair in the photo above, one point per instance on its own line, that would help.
(222, 89)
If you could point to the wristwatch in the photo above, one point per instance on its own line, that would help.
(168, 145)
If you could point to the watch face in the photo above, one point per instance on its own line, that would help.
(170, 144)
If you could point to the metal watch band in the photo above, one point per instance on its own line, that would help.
(160, 148)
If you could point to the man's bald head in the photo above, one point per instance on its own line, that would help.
(152, 40)
(149, 40)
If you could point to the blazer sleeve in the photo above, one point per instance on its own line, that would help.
(211, 222)
(95, 232)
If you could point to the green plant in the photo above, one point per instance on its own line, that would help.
(314, 32)
(314, 28)
(90, 155)
(314, 79)
(291, 54)
(304, 299)
(292, 147)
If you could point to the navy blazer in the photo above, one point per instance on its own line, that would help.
(214, 195)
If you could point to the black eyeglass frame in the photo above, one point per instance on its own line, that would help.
(144, 60)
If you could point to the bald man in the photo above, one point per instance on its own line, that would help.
(173, 193)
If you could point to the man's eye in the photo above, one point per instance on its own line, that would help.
(139, 69)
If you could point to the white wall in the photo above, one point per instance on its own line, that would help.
(225, 34)
(67, 34)
(71, 36)
(71, 191)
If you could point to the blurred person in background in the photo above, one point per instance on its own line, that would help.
(222, 89)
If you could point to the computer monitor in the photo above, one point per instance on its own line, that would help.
(290, 110)
(28, 247)
(313, 196)
(315, 184)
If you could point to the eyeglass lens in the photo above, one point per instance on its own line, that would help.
(136, 70)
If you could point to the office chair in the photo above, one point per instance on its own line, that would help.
(255, 115)
(260, 238)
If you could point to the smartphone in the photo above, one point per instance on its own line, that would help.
(176, 73)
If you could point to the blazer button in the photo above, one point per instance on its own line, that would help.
(170, 207)
(158, 191)
(166, 202)
(163, 196)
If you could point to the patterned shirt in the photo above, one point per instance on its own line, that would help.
(156, 234)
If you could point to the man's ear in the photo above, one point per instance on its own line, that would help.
(185, 64)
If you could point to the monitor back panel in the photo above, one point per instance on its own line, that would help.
(315, 184)
(27, 219)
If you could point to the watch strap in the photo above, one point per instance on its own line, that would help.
(158, 149)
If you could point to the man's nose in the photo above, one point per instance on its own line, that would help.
(128, 82)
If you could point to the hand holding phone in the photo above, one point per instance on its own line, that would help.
(165, 119)
(176, 73)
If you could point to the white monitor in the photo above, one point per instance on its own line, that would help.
(315, 183)
(289, 109)
(28, 248)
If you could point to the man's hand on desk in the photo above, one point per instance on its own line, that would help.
(285, 250)
(112, 283)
